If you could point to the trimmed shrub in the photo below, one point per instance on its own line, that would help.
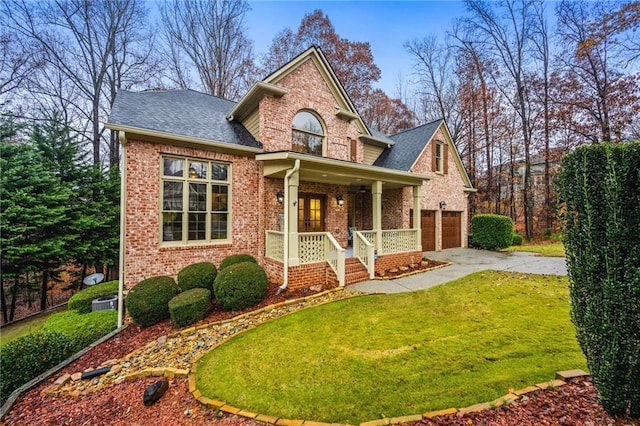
(240, 286)
(197, 275)
(190, 306)
(82, 329)
(491, 231)
(600, 189)
(148, 301)
(28, 356)
(517, 239)
(236, 258)
(81, 301)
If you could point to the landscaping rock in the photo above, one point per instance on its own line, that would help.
(94, 373)
(154, 392)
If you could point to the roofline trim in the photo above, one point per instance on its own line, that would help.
(374, 140)
(290, 155)
(326, 71)
(253, 97)
(457, 159)
(182, 138)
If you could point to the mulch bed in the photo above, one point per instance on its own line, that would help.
(572, 404)
(425, 265)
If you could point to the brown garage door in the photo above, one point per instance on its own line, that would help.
(451, 225)
(428, 227)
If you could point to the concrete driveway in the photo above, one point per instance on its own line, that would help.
(465, 262)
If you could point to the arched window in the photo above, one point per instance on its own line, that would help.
(307, 134)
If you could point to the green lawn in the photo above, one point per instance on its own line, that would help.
(550, 250)
(369, 357)
(23, 327)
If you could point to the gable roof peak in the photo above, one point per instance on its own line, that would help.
(431, 123)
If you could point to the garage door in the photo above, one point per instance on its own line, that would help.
(428, 227)
(451, 226)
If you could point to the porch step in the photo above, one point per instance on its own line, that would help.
(355, 272)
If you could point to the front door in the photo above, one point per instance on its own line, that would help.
(311, 213)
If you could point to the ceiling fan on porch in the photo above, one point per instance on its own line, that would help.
(362, 189)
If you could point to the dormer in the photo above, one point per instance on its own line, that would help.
(302, 107)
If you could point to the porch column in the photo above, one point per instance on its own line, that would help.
(376, 192)
(292, 225)
(417, 193)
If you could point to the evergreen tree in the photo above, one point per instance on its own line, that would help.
(34, 212)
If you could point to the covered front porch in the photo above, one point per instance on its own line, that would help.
(330, 208)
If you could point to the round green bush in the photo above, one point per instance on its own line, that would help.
(197, 275)
(240, 286)
(190, 306)
(81, 301)
(148, 301)
(491, 231)
(82, 329)
(236, 258)
(517, 239)
(28, 356)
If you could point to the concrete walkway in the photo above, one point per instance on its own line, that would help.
(465, 262)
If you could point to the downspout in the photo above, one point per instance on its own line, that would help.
(123, 198)
(285, 261)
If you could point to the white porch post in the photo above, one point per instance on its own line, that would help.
(376, 192)
(291, 198)
(417, 193)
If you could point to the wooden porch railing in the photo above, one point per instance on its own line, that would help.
(399, 240)
(322, 247)
(363, 249)
(275, 245)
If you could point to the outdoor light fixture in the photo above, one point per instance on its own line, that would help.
(280, 197)
(442, 205)
(340, 200)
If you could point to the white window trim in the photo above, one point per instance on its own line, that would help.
(185, 201)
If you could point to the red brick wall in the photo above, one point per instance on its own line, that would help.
(392, 209)
(390, 261)
(307, 90)
(145, 256)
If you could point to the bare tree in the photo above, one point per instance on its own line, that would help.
(434, 67)
(540, 38)
(607, 98)
(506, 38)
(79, 41)
(16, 60)
(211, 34)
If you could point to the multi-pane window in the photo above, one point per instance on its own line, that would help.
(195, 198)
(307, 134)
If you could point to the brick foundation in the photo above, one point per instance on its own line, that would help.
(391, 261)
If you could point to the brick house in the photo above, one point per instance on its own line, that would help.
(289, 174)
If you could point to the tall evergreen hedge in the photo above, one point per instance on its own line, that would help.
(491, 231)
(600, 190)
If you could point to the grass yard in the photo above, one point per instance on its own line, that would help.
(549, 250)
(370, 357)
(26, 326)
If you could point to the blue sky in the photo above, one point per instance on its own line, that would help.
(386, 25)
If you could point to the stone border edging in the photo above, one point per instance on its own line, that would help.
(561, 379)
(6, 407)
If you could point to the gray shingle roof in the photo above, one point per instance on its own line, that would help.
(408, 146)
(180, 112)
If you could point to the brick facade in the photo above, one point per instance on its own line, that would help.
(439, 189)
(145, 255)
(254, 208)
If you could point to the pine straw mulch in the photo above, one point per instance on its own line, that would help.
(573, 404)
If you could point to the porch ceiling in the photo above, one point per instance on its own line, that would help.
(336, 172)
